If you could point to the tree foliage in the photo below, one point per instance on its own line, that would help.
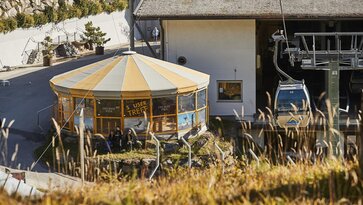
(79, 9)
(94, 35)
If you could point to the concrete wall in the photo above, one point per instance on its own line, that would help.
(116, 26)
(217, 47)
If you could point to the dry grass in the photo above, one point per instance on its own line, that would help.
(329, 181)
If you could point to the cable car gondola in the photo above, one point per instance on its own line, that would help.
(292, 101)
(292, 104)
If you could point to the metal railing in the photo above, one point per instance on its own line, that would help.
(60, 39)
(157, 156)
(222, 154)
(38, 116)
(189, 152)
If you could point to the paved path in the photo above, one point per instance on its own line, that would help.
(29, 92)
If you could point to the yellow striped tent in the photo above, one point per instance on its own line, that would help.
(131, 91)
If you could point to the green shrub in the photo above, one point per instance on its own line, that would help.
(108, 8)
(119, 4)
(2, 26)
(79, 9)
(40, 19)
(75, 12)
(51, 14)
(24, 20)
(63, 13)
(10, 24)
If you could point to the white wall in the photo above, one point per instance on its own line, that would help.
(217, 47)
(14, 43)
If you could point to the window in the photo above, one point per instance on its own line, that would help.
(202, 99)
(202, 117)
(87, 105)
(139, 124)
(136, 108)
(164, 106)
(106, 125)
(65, 110)
(288, 98)
(186, 121)
(108, 108)
(164, 124)
(230, 90)
(186, 102)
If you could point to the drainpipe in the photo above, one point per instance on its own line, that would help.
(162, 40)
(132, 24)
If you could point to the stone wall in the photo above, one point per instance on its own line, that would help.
(9, 8)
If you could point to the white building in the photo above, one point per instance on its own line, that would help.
(229, 39)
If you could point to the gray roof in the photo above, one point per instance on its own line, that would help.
(329, 9)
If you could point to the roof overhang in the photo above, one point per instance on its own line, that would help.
(249, 9)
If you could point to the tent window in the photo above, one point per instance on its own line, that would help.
(186, 121)
(164, 124)
(136, 108)
(164, 106)
(202, 99)
(229, 90)
(186, 102)
(202, 117)
(139, 124)
(108, 108)
(88, 109)
(106, 125)
(66, 110)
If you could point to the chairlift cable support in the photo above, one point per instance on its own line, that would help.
(285, 33)
(277, 40)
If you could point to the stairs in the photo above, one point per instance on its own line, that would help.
(33, 56)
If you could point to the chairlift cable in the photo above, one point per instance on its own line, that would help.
(132, 28)
(285, 32)
(118, 37)
(65, 123)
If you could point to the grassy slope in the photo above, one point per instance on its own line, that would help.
(257, 184)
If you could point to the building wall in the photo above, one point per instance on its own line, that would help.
(225, 49)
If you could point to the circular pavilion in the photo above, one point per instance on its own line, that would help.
(131, 91)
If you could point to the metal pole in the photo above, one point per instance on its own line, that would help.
(333, 94)
(132, 24)
(189, 152)
(222, 155)
(146, 41)
(81, 143)
(360, 139)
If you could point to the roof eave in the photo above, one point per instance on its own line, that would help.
(257, 17)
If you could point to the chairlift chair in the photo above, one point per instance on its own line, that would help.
(292, 104)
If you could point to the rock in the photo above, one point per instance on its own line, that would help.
(69, 2)
(129, 165)
(200, 143)
(148, 162)
(5, 15)
(19, 8)
(171, 147)
(6, 5)
(12, 12)
(29, 10)
(197, 163)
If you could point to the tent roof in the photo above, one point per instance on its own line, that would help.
(131, 76)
